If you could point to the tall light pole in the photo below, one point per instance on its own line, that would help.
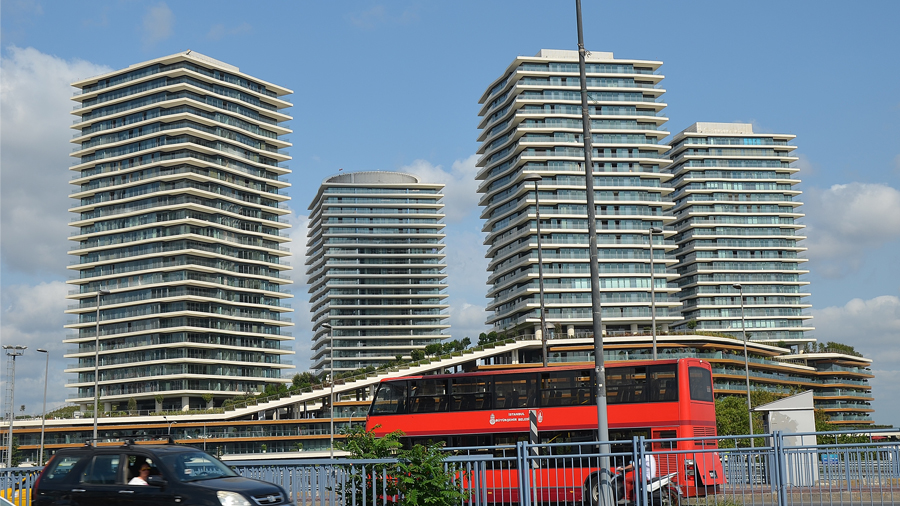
(605, 489)
(653, 230)
(746, 361)
(327, 326)
(44, 410)
(537, 208)
(97, 362)
(12, 351)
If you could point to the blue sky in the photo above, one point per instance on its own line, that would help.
(394, 86)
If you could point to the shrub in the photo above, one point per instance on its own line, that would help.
(417, 478)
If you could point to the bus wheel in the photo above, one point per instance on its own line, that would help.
(592, 491)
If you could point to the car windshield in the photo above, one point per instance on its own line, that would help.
(194, 466)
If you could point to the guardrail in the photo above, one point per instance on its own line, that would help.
(16, 483)
(787, 470)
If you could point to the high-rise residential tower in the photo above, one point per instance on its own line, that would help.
(179, 202)
(735, 214)
(531, 125)
(376, 269)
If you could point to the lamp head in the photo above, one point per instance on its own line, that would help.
(656, 230)
(326, 326)
(737, 286)
(532, 178)
(42, 351)
(103, 292)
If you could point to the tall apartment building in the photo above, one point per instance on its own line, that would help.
(178, 203)
(735, 214)
(376, 269)
(531, 124)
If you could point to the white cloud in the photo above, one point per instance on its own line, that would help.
(33, 317)
(302, 329)
(466, 276)
(461, 193)
(466, 264)
(873, 328)
(846, 220)
(157, 24)
(34, 155)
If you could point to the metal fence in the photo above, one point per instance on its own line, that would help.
(16, 483)
(785, 470)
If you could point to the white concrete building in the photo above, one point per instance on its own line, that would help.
(376, 269)
(736, 208)
(531, 124)
(179, 197)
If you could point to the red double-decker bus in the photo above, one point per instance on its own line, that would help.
(661, 399)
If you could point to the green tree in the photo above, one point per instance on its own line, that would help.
(834, 347)
(207, 398)
(732, 417)
(417, 355)
(417, 478)
(422, 479)
(132, 404)
(16, 454)
(360, 488)
(466, 342)
(433, 349)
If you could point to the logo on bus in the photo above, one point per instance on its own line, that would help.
(515, 416)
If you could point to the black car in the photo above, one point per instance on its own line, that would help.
(175, 475)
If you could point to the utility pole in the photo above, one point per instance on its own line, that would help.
(606, 495)
(12, 352)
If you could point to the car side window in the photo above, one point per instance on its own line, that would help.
(103, 470)
(61, 466)
(135, 462)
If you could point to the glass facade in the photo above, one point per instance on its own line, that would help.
(178, 213)
(375, 262)
(531, 125)
(736, 213)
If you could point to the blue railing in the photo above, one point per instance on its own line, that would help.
(784, 469)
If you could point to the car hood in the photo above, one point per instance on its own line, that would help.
(246, 486)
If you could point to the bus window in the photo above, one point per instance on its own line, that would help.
(663, 384)
(470, 394)
(629, 385)
(390, 399)
(513, 391)
(427, 395)
(665, 434)
(623, 439)
(701, 384)
(566, 388)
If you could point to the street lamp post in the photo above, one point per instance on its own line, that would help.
(605, 487)
(746, 360)
(97, 362)
(169, 426)
(327, 326)
(13, 352)
(44, 410)
(653, 230)
(537, 208)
